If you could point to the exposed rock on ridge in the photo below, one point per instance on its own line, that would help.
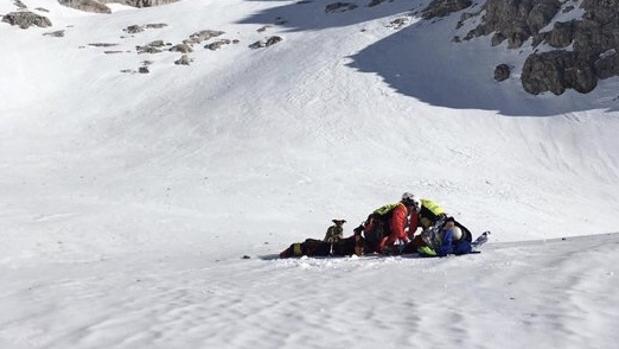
(26, 19)
(442, 8)
(99, 6)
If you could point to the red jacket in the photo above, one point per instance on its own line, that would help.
(398, 224)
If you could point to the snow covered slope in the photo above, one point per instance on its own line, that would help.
(110, 177)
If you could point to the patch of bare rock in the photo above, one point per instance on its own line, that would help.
(266, 43)
(26, 19)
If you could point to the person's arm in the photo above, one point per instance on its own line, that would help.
(413, 224)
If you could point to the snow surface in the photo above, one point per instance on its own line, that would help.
(127, 200)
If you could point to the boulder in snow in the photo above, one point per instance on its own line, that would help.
(86, 5)
(182, 48)
(269, 42)
(184, 60)
(501, 72)
(217, 44)
(26, 19)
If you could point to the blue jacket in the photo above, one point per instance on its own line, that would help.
(449, 246)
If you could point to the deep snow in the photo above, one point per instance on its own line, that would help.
(128, 199)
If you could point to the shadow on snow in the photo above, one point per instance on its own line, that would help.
(420, 61)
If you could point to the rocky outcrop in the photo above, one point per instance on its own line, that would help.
(557, 71)
(561, 35)
(86, 5)
(340, 7)
(26, 19)
(375, 3)
(594, 40)
(184, 60)
(143, 3)
(182, 48)
(442, 8)
(217, 44)
(201, 36)
(514, 20)
(607, 65)
(586, 47)
(151, 48)
(98, 6)
(269, 42)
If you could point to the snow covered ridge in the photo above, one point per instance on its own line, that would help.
(576, 38)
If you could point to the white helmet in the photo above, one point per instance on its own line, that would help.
(410, 199)
(457, 233)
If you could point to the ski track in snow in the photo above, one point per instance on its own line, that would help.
(127, 200)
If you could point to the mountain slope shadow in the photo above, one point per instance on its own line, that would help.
(301, 16)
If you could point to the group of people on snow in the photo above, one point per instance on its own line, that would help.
(392, 230)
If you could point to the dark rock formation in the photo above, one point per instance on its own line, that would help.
(442, 8)
(151, 48)
(184, 60)
(398, 23)
(594, 40)
(99, 6)
(217, 44)
(182, 48)
(143, 70)
(155, 25)
(26, 19)
(607, 65)
(502, 72)
(514, 20)
(86, 5)
(375, 3)
(143, 3)
(556, 71)
(269, 42)
(201, 36)
(561, 35)
(133, 29)
(340, 7)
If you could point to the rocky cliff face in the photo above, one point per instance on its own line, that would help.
(585, 48)
(99, 6)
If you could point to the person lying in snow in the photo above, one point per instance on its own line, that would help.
(311, 247)
(333, 244)
(391, 229)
